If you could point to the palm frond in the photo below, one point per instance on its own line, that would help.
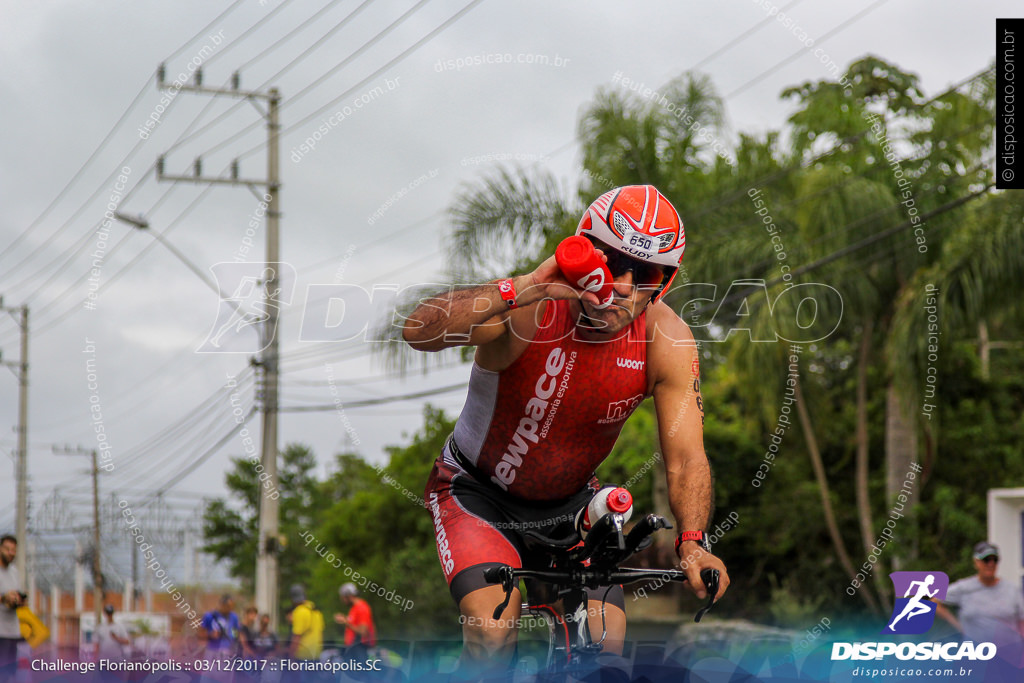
(500, 223)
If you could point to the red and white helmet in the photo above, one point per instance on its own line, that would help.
(640, 222)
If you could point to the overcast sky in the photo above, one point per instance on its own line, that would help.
(364, 205)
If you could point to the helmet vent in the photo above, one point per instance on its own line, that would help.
(621, 224)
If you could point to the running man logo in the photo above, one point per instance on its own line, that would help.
(914, 613)
(256, 289)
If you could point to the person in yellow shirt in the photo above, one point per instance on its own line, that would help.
(307, 627)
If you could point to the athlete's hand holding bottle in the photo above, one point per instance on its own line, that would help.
(576, 270)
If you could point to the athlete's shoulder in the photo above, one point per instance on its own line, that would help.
(671, 349)
(665, 327)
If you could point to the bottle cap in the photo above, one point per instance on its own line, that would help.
(619, 500)
(574, 253)
(582, 267)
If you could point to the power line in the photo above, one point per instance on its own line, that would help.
(283, 39)
(246, 33)
(78, 174)
(778, 65)
(173, 459)
(401, 56)
(370, 379)
(374, 401)
(231, 8)
(729, 45)
(188, 209)
(144, 383)
(103, 187)
(287, 67)
(868, 241)
(191, 467)
(173, 433)
(99, 148)
(123, 162)
(191, 421)
(382, 240)
(743, 36)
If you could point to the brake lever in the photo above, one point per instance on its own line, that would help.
(710, 578)
(620, 540)
(505, 574)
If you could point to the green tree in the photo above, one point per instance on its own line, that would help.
(376, 524)
(230, 526)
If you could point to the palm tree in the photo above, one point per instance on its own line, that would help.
(980, 262)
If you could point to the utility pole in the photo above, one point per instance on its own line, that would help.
(97, 583)
(135, 571)
(20, 370)
(268, 545)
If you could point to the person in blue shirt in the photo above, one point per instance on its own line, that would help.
(219, 629)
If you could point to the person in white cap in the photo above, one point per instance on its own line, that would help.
(990, 610)
(360, 632)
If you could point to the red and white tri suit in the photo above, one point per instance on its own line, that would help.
(527, 442)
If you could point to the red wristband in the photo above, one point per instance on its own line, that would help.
(508, 292)
(698, 536)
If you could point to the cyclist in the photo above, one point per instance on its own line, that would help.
(555, 375)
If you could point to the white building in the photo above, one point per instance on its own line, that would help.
(1006, 530)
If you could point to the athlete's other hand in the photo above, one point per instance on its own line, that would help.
(692, 559)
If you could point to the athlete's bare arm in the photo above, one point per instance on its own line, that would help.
(673, 368)
(478, 316)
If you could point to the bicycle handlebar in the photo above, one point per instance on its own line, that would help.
(591, 578)
(594, 563)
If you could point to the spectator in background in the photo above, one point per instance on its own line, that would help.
(263, 642)
(11, 598)
(34, 633)
(360, 633)
(111, 638)
(990, 610)
(219, 629)
(246, 633)
(307, 627)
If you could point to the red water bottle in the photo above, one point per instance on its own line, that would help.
(608, 499)
(582, 266)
